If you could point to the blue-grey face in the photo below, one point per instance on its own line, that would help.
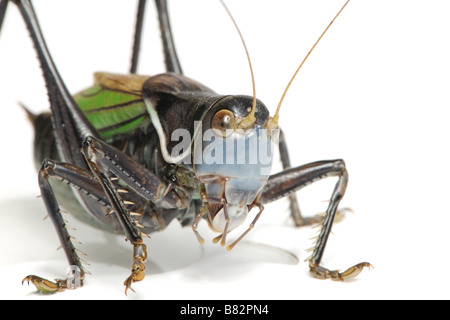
(232, 163)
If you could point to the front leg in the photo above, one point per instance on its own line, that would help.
(104, 161)
(285, 183)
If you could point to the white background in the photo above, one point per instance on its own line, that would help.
(375, 92)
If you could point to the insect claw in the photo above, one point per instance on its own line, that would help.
(59, 248)
(44, 285)
(352, 272)
(46, 217)
(27, 280)
(110, 212)
(138, 267)
(323, 273)
(128, 287)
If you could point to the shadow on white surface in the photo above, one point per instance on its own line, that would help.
(28, 243)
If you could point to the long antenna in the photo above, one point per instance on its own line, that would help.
(250, 119)
(274, 120)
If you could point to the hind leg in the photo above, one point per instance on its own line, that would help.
(76, 278)
(299, 219)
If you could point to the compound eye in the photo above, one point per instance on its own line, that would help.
(223, 122)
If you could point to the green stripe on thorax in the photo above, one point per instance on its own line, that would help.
(114, 104)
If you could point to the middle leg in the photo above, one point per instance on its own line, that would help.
(104, 162)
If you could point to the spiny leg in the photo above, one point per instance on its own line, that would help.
(291, 180)
(69, 123)
(137, 35)
(104, 160)
(73, 259)
(84, 181)
(170, 53)
(314, 261)
(138, 266)
(71, 129)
